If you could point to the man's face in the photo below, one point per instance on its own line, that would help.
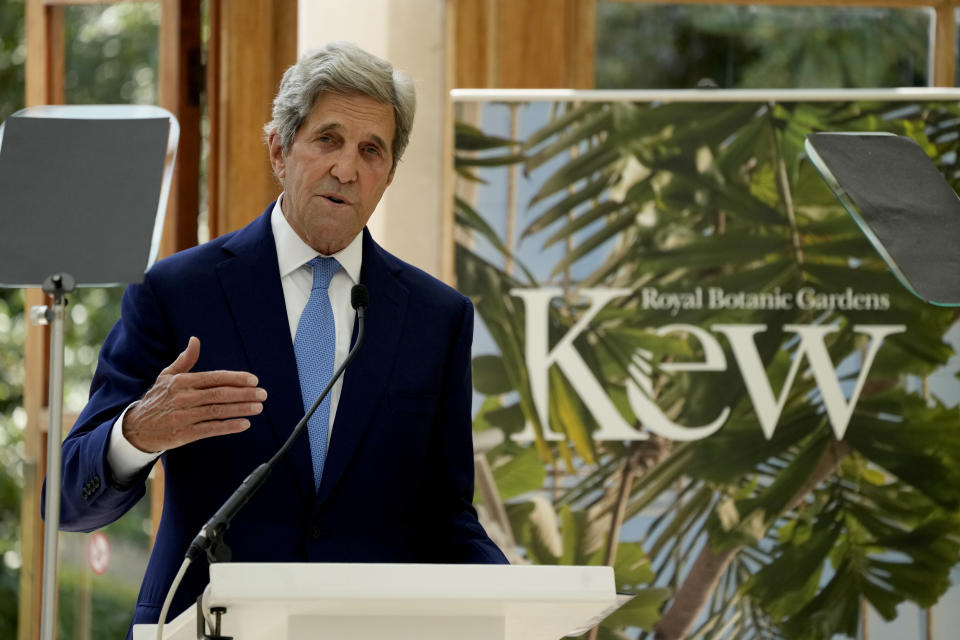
(337, 169)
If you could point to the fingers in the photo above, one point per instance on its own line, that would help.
(214, 379)
(187, 358)
(219, 395)
(184, 406)
(160, 421)
(213, 428)
(203, 413)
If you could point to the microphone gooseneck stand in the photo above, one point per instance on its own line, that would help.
(210, 538)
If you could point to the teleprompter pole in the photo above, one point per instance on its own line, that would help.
(57, 287)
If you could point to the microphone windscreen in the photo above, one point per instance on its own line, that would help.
(359, 296)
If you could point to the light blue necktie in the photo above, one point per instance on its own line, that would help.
(314, 347)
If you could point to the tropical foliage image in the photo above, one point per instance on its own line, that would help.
(692, 366)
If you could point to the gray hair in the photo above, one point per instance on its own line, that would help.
(341, 68)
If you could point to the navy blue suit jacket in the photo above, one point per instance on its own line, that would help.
(397, 485)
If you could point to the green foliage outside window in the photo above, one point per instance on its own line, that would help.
(663, 46)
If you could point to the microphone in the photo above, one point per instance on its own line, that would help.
(209, 540)
(209, 537)
(359, 298)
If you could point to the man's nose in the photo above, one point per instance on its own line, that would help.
(344, 166)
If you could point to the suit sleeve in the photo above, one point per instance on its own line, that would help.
(134, 353)
(468, 542)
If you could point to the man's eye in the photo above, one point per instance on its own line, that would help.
(372, 150)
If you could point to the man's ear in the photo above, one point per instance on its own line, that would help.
(277, 159)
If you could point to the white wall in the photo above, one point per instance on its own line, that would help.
(410, 221)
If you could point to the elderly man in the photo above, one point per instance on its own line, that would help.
(235, 338)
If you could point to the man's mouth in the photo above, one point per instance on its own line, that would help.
(334, 198)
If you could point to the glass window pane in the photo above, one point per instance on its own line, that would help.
(663, 46)
(111, 53)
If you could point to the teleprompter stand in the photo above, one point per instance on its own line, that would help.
(902, 204)
(84, 195)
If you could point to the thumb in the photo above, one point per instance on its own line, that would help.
(187, 358)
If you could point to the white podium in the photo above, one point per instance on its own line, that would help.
(400, 602)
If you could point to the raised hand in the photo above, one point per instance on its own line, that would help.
(183, 406)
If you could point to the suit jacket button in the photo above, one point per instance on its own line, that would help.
(316, 532)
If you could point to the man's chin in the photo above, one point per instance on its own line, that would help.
(328, 241)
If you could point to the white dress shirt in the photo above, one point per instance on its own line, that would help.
(296, 280)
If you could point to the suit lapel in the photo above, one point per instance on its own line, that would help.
(367, 377)
(250, 279)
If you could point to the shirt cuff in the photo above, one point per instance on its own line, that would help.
(125, 460)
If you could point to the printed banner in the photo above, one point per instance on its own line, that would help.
(691, 365)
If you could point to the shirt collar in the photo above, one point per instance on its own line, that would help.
(293, 252)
